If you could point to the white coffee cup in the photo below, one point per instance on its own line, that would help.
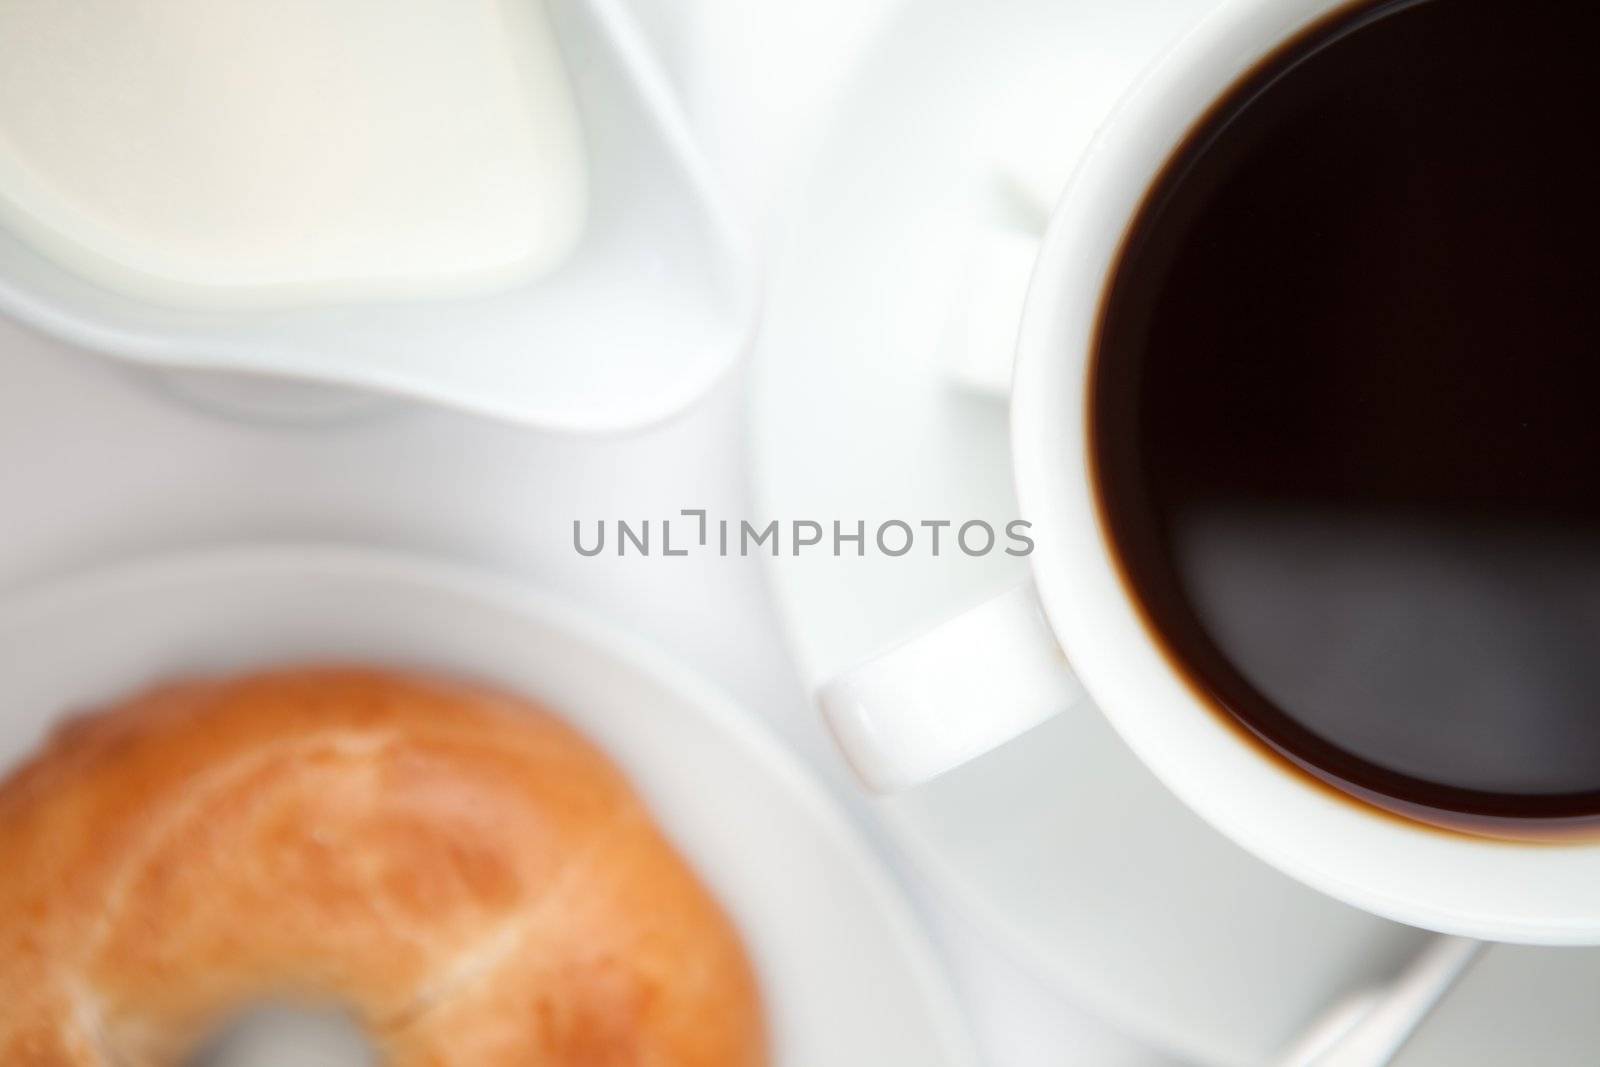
(987, 676)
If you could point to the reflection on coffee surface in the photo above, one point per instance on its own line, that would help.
(1345, 415)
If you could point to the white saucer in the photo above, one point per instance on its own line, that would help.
(765, 836)
(1061, 845)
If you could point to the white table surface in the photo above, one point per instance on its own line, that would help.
(98, 463)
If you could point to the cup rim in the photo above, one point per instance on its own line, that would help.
(1414, 873)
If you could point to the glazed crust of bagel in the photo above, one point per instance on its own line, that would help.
(455, 867)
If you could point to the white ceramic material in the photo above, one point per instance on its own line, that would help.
(764, 835)
(890, 714)
(655, 303)
(1454, 883)
(1060, 848)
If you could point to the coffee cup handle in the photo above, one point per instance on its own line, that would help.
(951, 694)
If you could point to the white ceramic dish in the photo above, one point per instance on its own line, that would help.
(655, 303)
(848, 976)
(1061, 845)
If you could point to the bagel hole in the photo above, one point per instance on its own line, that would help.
(287, 1035)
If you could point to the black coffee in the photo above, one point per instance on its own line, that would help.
(1346, 408)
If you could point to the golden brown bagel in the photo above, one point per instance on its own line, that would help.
(473, 881)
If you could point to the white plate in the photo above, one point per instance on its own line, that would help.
(656, 302)
(847, 975)
(1061, 845)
